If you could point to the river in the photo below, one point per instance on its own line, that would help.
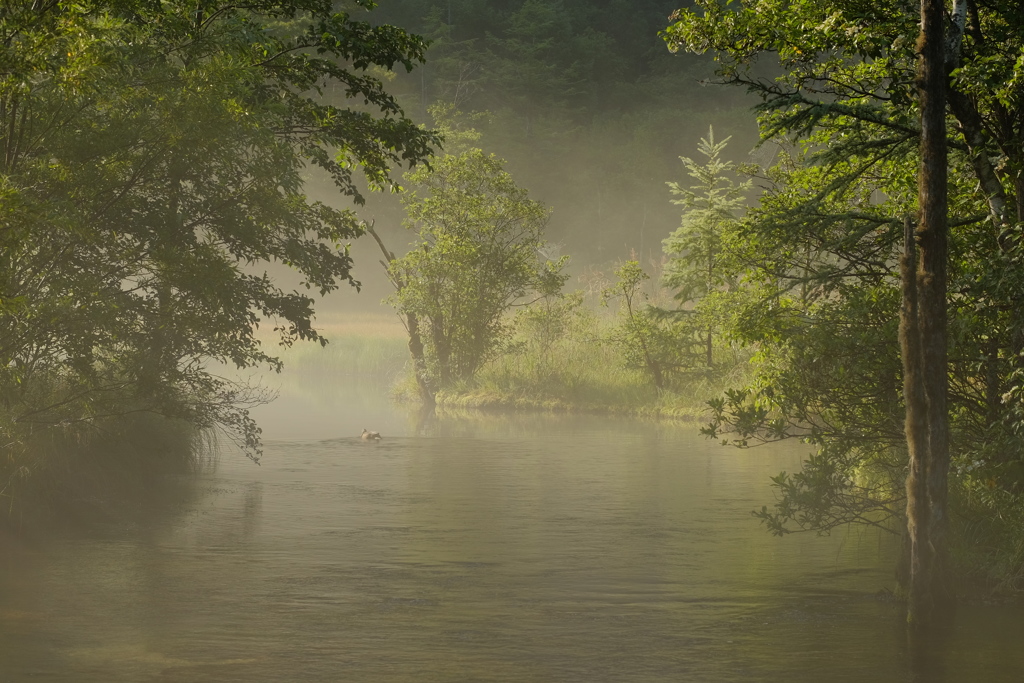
(473, 548)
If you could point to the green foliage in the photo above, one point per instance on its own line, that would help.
(556, 358)
(551, 319)
(820, 252)
(990, 509)
(560, 358)
(699, 268)
(153, 166)
(646, 339)
(476, 255)
(711, 208)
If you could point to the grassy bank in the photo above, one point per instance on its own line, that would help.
(581, 371)
(592, 383)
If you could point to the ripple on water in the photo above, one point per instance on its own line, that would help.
(583, 550)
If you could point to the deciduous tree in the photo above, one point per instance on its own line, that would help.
(476, 254)
(153, 166)
(823, 244)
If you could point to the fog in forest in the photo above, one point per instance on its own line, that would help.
(595, 136)
(511, 340)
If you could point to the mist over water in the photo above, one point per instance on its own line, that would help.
(463, 546)
(472, 548)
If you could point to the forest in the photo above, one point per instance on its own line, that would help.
(779, 290)
(609, 206)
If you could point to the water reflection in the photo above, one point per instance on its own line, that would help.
(926, 650)
(523, 548)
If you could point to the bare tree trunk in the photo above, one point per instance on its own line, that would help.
(412, 325)
(923, 338)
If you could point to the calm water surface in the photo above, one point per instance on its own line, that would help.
(520, 548)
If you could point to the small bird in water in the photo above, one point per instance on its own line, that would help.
(371, 436)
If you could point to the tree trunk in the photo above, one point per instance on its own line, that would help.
(443, 351)
(412, 326)
(708, 289)
(923, 338)
(419, 361)
(162, 356)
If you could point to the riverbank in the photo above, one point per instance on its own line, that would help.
(580, 371)
(575, 374)
(676, 405)
(602, 386)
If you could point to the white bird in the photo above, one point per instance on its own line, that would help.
(371, 436)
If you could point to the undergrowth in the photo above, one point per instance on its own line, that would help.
(577, 369)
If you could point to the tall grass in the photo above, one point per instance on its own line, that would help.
(580, 371)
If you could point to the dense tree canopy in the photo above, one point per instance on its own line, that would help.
(477, 252)
(823, 247)
(154, 159)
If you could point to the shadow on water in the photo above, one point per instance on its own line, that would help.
(926, 650)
